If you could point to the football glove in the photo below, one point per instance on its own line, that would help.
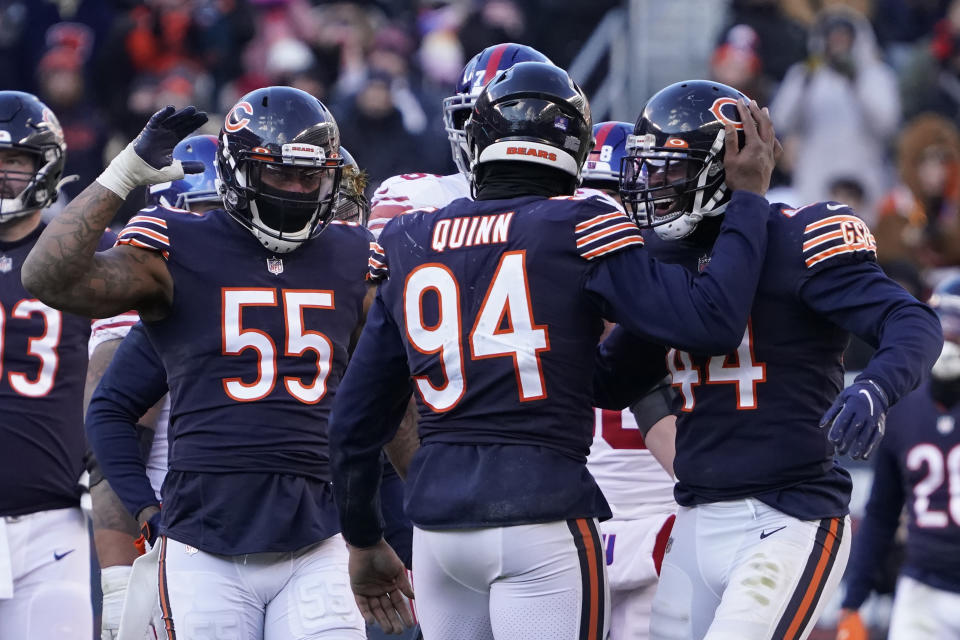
(149, 532)
(114, 581)
(850, 626)
(857, 418)
(149, 158)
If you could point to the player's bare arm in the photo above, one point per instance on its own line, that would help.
(661, 441)
(63, 269)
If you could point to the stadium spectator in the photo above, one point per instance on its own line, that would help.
(842, 106)
(919, 219)
(781, 39)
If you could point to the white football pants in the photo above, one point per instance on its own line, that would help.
(526, 582)
(47, 556)
(921, 612)
(303, 595)
(741, 570)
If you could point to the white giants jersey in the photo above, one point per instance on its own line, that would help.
(632, 480)
(409, 191)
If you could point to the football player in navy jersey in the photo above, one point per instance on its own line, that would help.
(44, 541)
(114, 528)
(490, 311)
(917, 465)
(762, 534)
(251, 309)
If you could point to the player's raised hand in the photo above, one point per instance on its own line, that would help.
(857, 419)
(749, 167)
(379, 582)
(149, 158)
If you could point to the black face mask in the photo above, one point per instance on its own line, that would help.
(286, 211)
(946, 392)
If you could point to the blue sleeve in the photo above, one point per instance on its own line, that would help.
(626, 367)
(906, 333)
(700, 313)
(878, 527)
(134, 382)
(370, 402)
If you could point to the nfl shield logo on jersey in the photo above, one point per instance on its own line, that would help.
(6, 264)
(275, 266)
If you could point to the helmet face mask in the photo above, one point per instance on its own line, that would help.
(672, 175)
(480, 70)
(279, 166)
(33, 153)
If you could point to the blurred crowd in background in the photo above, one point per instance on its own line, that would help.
(864, 93)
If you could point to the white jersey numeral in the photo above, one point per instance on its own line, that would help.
(744, 372)
(43, 347)
(504, 327)
(933, 458)
(299, 340)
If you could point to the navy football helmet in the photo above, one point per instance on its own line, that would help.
(532, 112)
(481, 69)
(672, 176)
(27, 125)
(353, 205)
(195, 191)
(602, 170)
(279, 166)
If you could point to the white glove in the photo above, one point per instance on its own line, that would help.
(114, 581)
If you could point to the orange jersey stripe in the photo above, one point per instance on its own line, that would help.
(156, 235)
(599, 251)
(607, 231)
(827, 237)
(157, 221)
(813, 226)
(829, 253)
(592, 222)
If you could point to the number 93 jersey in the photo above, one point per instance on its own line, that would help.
(748, 420)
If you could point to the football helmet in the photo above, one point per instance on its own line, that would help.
(480, 70)
(945, 374)
(194, 188)
(27, 125)
(279, 166)
(532, 112)
(672, 175)
(353, 205)
(602, 170)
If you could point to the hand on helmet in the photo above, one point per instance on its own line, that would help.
(749, 168)
(149, 158)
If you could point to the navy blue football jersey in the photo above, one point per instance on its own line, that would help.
(748, 420)
(917, 466)
(43, 367)
(254, 348)
(490, 314)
